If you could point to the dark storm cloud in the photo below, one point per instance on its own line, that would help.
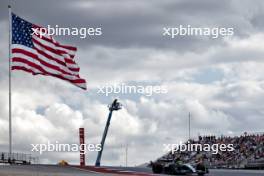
(139, 23)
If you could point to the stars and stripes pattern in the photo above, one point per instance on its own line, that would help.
(41, 54)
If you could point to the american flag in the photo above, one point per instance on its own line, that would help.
(41, 54)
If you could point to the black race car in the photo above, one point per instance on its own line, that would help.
(172, 168)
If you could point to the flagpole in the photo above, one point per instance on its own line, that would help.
(10, 95)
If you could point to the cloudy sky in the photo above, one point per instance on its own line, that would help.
(220, 81)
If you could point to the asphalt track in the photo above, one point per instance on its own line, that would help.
(52, 170)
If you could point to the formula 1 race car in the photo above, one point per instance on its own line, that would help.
(171, 168)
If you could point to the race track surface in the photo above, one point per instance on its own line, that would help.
(53, 170)
(223, 172)
(41, 170)
(214, 172)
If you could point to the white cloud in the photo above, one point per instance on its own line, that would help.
(45, 108)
